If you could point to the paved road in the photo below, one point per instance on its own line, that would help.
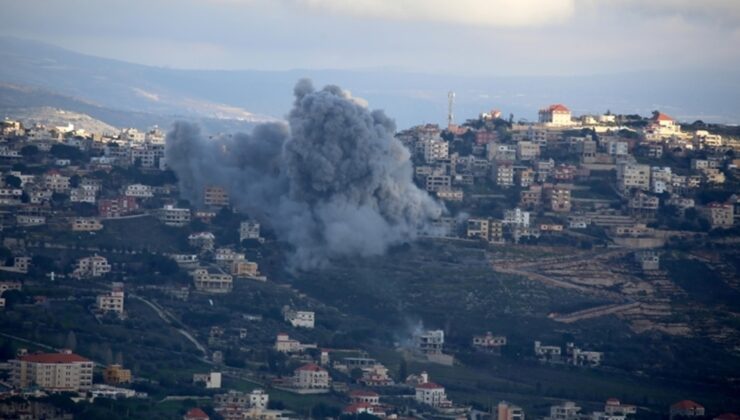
(166, 317)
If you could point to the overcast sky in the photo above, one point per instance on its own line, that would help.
(465, 37)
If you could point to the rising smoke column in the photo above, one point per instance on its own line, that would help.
(333, 183)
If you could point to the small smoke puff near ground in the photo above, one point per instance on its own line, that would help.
(333, 182)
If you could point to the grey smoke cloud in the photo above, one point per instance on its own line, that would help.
(333, 182)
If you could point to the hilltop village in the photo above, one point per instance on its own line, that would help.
(121, 299)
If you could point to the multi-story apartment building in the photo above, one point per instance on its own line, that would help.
(117, 207)
(112, 301)
(633, 176)
(91, 267)
(174, 216)
(211, 282)
(64, 371)
(215, 196)
(559, 198)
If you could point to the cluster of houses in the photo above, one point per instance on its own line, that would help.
(548, 162)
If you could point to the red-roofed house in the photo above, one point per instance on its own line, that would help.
(686, 408)
(662, 126)
(363, 396)
(557, 115)
(311, 377)
(52, 371)
(195, 414)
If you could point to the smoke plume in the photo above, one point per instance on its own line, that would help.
(333, 182)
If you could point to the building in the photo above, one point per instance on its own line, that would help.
(454, 194)
(686, 408)
(485, 229)
(436, 183)
(84, 194)
(432, 395)
(633, 175)
(111, 301)
(555, 115)
(249, 230)
(430, 341)
(527, 150)
(214, 196)
(212, 282)
(579, 357)
(559, 198)
(516, 217)
(117, 207)
(489, 342)
(508, 411)
(720, 215)
(86, 224)
(211, 380)
(204, 241)
(547, 353)
(139, 191)
(504, 174)
(662, 126)
(364, 396)
(91, 267)
(116, 375)
(614, 407)
(173, 216)
(195, 414)
(299, 319)
(55, 372)
(285, 344)
(648, 260)
(434, 150)
(565, 411)
(531, 198)
(258, 399)
(56, 182)
(311, 377)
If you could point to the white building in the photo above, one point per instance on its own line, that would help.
(211, 380)
(311, 377)
(112, 301)
(139, 191)
(430, 341)
(432, 395)
(90, 267)
(173, 216)
(249, 230)
(516, 217)
(555, 115)
(633, 175)
(299, 319)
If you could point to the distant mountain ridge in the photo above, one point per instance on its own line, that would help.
(109, 89)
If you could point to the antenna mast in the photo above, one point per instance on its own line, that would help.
(450, 103)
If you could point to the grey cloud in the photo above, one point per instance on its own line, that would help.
(333, 183)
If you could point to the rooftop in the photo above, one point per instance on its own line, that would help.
(53, 358)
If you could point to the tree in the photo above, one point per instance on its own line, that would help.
(403, 370)
(29, 151)
(13, 181)
(62, 151)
